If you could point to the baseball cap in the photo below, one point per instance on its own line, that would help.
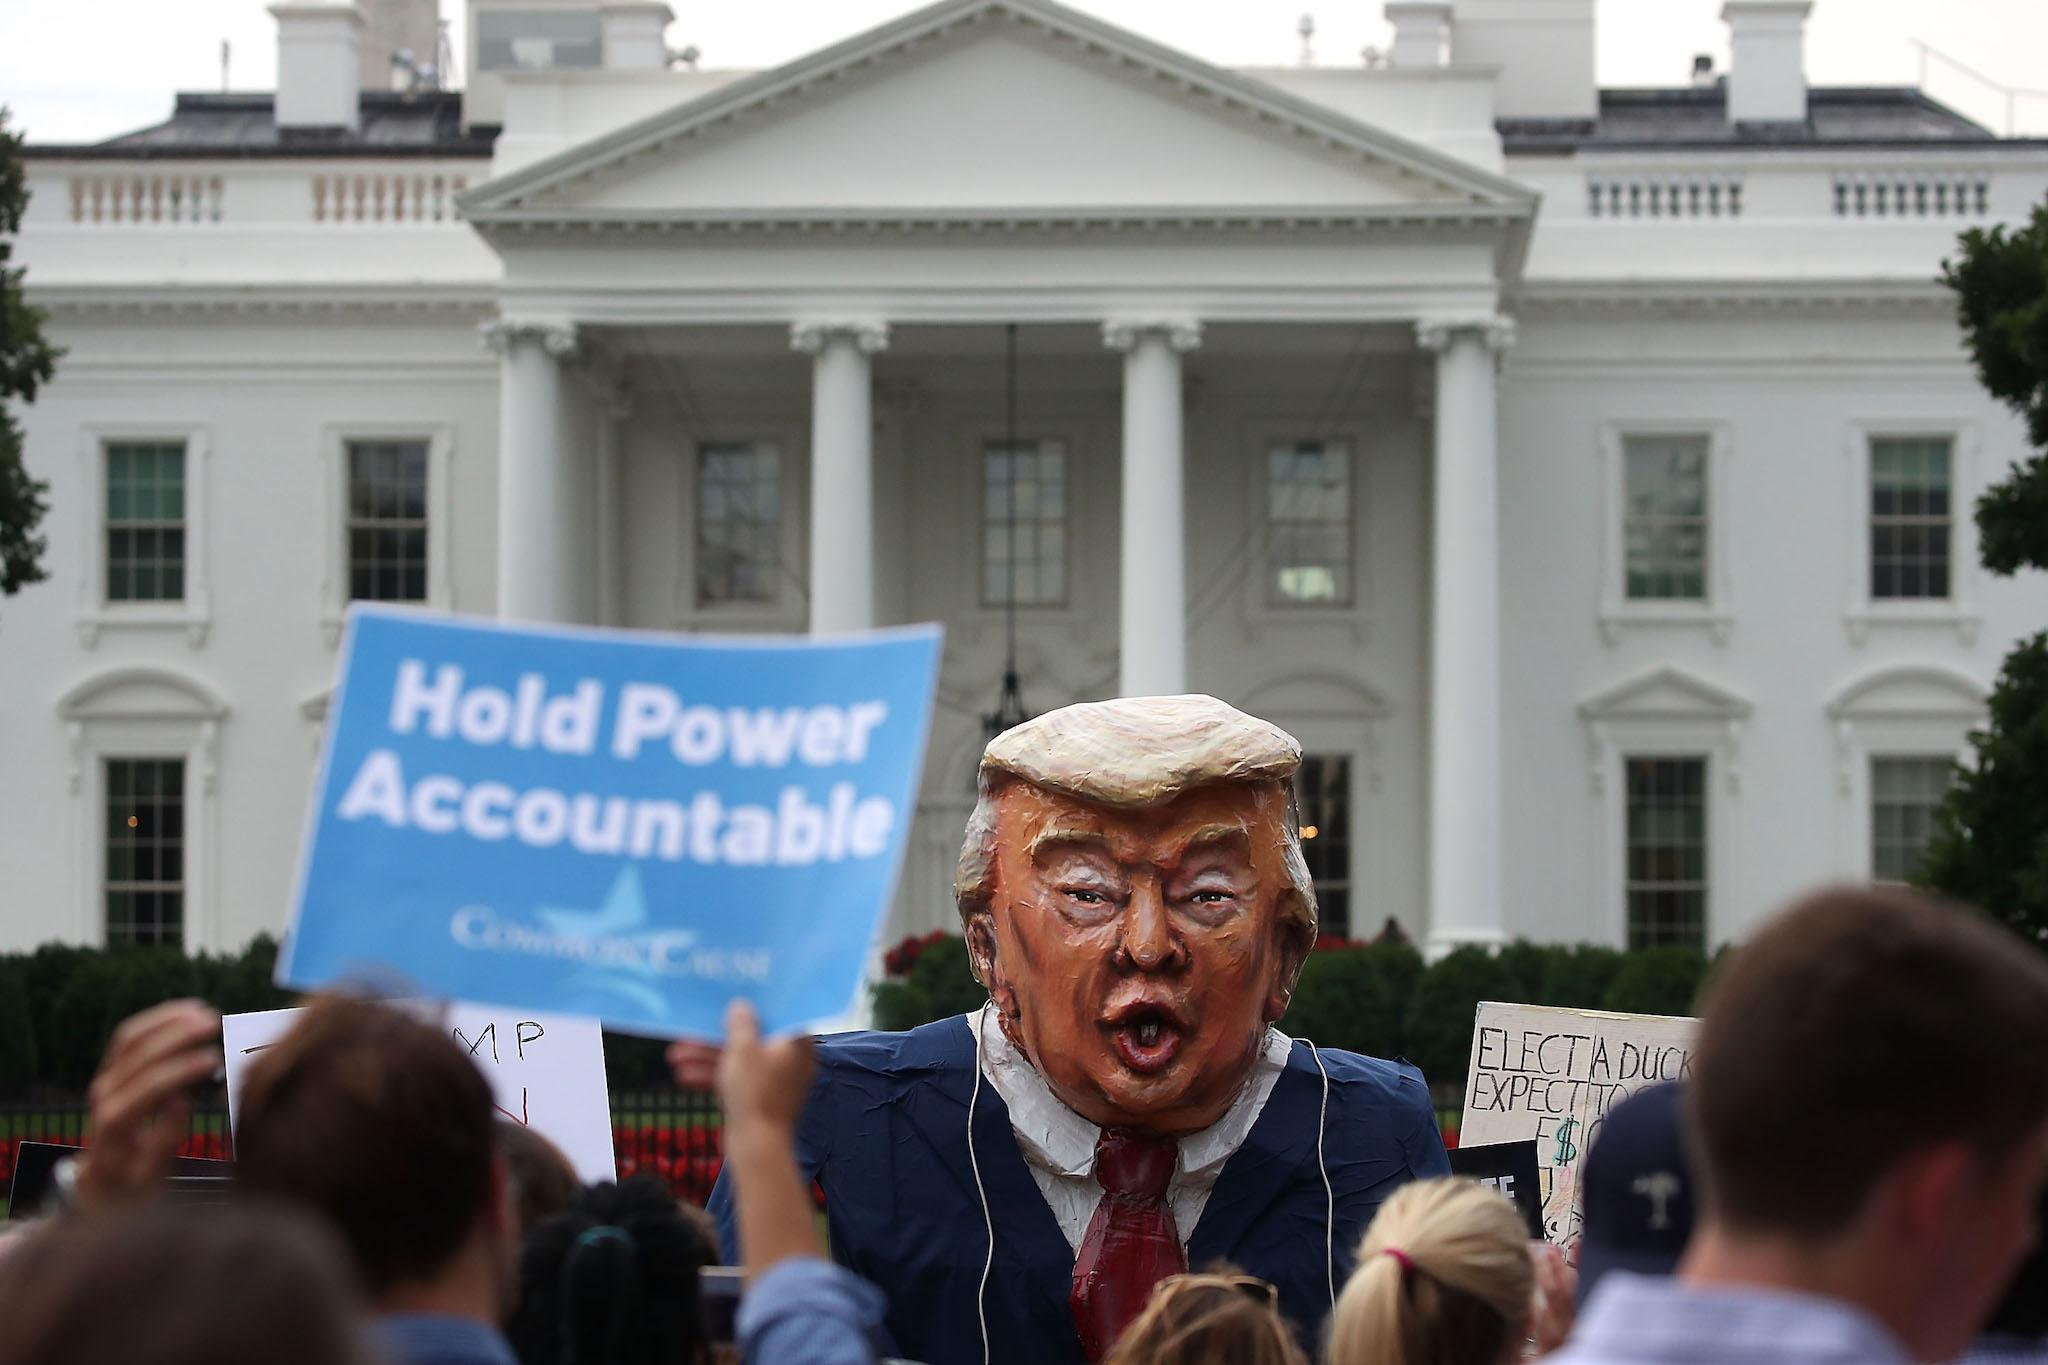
(1636, 1190)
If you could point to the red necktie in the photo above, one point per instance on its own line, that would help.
(1131, 1243)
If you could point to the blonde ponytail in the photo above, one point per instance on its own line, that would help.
(1443, 1278)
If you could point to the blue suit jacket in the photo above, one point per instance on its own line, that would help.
(885, 1134)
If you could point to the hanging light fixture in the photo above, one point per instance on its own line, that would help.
(1010, 710)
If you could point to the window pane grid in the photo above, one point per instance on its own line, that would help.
(1024, 523)
(145, 521)
(1664, 525)
(1904, 793)
(739, 522)
(1309, 523)
(1666, 882)
(1323, 792)
(387, 521)
(144, 883)
(1911, 521)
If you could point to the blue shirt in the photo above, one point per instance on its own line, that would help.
(440, 1339)
(808, 1311)
(1652, 1320)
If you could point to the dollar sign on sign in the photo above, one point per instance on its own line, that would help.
(1567, 1150)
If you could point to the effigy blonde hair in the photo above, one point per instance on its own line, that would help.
(1206, 1318)
(1133, 753)
(1443, 1278)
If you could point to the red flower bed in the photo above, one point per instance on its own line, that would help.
(687, 1160)
(899, 960)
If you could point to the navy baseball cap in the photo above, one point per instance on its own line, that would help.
(1636, 1190)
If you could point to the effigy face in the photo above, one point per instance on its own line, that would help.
(1137, 955)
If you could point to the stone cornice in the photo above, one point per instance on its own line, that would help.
(455, 301)
(1564, 298)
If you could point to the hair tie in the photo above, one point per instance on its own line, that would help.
(1400, 1258)
(603, 1232)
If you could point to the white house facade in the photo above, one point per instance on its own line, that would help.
(1584, 476)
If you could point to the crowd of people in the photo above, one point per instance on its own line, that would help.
(1852, 1172)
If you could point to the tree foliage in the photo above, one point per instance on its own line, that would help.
(26, 363)
(1990, 845)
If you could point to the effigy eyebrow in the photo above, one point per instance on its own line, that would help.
(1068, 836)
(1213, 836)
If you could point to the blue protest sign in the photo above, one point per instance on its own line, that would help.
(634, 827)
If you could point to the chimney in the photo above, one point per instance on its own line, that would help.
(1767, 63)
(1544, 49)
(1422, 32)
(635, 35)
(317, 65)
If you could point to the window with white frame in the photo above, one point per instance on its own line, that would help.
(1323, 794)
(1024, 523)
(144, 879)
(1666, 887)
(1911, 517)
(1904, 792)
(538, 39)
(739, 523)
(145, 521)
(1664, 518)
(387, 520)
(1309, 523)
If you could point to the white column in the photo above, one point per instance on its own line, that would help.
(1464, 715)
(1152, 630)
(535, 540)
(614, 404)
(842, 471)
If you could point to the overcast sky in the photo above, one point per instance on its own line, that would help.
(78, 70)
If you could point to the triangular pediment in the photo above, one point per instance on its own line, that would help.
(1665, 693)
(994, 108)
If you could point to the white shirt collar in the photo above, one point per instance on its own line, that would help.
(1055, 1138)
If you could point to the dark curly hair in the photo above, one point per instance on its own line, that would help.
(613, 1281)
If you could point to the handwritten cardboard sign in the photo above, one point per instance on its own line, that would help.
(1552, 1074)
(545, 1070)
(635, 827)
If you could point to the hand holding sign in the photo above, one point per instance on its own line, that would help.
(635, 828)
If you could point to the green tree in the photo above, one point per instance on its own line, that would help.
(26, 362)
(1990, 844)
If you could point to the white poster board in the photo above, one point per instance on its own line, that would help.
(545, 1070)
(1552, 1075)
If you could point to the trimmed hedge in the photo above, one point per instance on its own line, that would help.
(1377, 998)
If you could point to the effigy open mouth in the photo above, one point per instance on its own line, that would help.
(1146, 1034)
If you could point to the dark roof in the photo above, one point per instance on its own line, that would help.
(207, 125)
(1697, 117)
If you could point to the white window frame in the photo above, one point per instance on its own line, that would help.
(1664, 713)
(1915, 710)
(1619, 613)
(95, 614)
(1960, 611)
(1256, 440)
(334, 567)
(144, 712)
(788, 610)
(1039, 439)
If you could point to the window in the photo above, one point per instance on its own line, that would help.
(1903, 795)
(145, 850)
(145, 521)
(1308, 523)
(538, 40)
(1323, 789)
(1910, 521)
(387, 521)
(1664, 511)
(739, 523)
(1667, 852)
(1024, 523)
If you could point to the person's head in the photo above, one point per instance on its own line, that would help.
(1135, 899)
(1203, 1318)
(1870, 1092)
(538, 1179)
(1443, 1278)
(171, 1284)
(380, 1124)
(1636, 1189)
(613, 1279)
